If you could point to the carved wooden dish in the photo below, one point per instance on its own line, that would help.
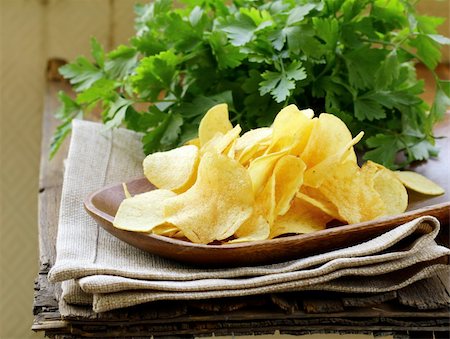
(103, 204)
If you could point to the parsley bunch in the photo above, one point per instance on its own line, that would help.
(352, 58)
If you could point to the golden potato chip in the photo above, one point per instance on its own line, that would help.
(251, 153)
(309, 113)
(301, 137)
(288, 125)
(230, 151)
(315, 175)
(125, 190)
(179, 235)
(194, 142)
(249, 143)
(288, 175)
(220, 142)
(166, 229)
(215, 121)
(274, 199)
(219, 202)
(142, 212)
(316, 198)
(352, 193)
(252, 137)
(174, 170)
(419, 183)
(261, 169)
(259, 224)
(328, 136)
(389, 187)
(301, 218)
(256, 228)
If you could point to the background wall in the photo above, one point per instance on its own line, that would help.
(31, 32)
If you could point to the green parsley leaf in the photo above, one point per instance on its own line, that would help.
(97, 52)
(366, 108)
(227, 55)
(384, 148)
(121, 62)
(154, 74)
(281, 84)
(81, 73)
(164, 135)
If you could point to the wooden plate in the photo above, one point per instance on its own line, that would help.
(103, 204)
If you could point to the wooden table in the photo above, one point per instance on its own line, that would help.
(418, 311)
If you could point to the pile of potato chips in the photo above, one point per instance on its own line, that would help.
(293, 177)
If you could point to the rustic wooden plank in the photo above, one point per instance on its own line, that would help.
(401, 335)
(267, 327)
(44, 300)
(323, 305)
(51, 171)
(367, 301)
(228, 304)
(50, 185)
(285, 302)
(420, 335)
(143, 316)
(441, 334)
(425, 294)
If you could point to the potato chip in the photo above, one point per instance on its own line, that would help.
(315, 175)
(301, 218)
(220, 142)
(143, 212)
(301, 137)
(256, 228)
(125, 190)
(261, 169)
(288, 175)
(389, 187)
(219, 202)
(316, 198)
(251, 153)
(253, 137)
(174, 170)
(419, 183)
(263, 216)
(287, 126)
(309, 113)
(250, 142)
(215, 121)
(352, 193)
(194, 142)
(166, 229)
(230, 151)
(328, 136)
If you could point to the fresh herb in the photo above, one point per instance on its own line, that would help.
(352, 58)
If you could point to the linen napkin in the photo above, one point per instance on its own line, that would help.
(100, 269)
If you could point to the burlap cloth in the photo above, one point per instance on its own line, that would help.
(98, 269)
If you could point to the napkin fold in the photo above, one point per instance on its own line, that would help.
(100, 270)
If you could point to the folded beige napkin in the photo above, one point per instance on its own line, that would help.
(98, 269)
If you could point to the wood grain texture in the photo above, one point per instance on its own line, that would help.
(51, 171)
